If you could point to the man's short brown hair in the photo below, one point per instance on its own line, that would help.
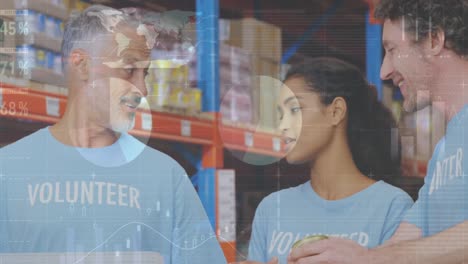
(424, 17)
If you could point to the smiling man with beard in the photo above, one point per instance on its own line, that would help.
(426, 57)
(85, 190)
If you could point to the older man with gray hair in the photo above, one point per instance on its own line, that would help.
(84, 190)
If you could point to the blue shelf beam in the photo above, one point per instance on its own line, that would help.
(208, 81)
(312, 29)
(374, 54)
(208, 53)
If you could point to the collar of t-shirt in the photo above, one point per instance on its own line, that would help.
(307, 189)
(121, 152)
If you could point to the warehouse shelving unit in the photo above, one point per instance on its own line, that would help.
(28, 109)
(48, 107)
(208, 133)
(22, 104)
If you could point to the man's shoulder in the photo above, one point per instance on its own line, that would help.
(392, 195)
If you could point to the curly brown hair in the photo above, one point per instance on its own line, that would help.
(424, 17)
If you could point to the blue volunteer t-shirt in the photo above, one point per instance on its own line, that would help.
(368, 217)
(125, 197)
(443, 199)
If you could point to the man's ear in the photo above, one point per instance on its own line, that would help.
(79, 62)
(436, 42)
(337, 110)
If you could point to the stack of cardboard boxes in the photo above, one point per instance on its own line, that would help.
(7, 43)
(235, 67)
(263, 42)
(32, 35)
(235, 85)
(249, 55)
(250, 52)
(170, 89)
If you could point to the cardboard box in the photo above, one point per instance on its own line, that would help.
(44, 7)
(40, 40)
(261, 84)
(235, 56)
(77, 5)
(158, 96)
(257, 37)
(235, 67)
(8, 32)
(168, 83)
(46, 76)
(163, 95)
(267, 89)
(236, 107)
(266, 84)
(232, 75)
(266, 67)
(192, 100)
(8, 66)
